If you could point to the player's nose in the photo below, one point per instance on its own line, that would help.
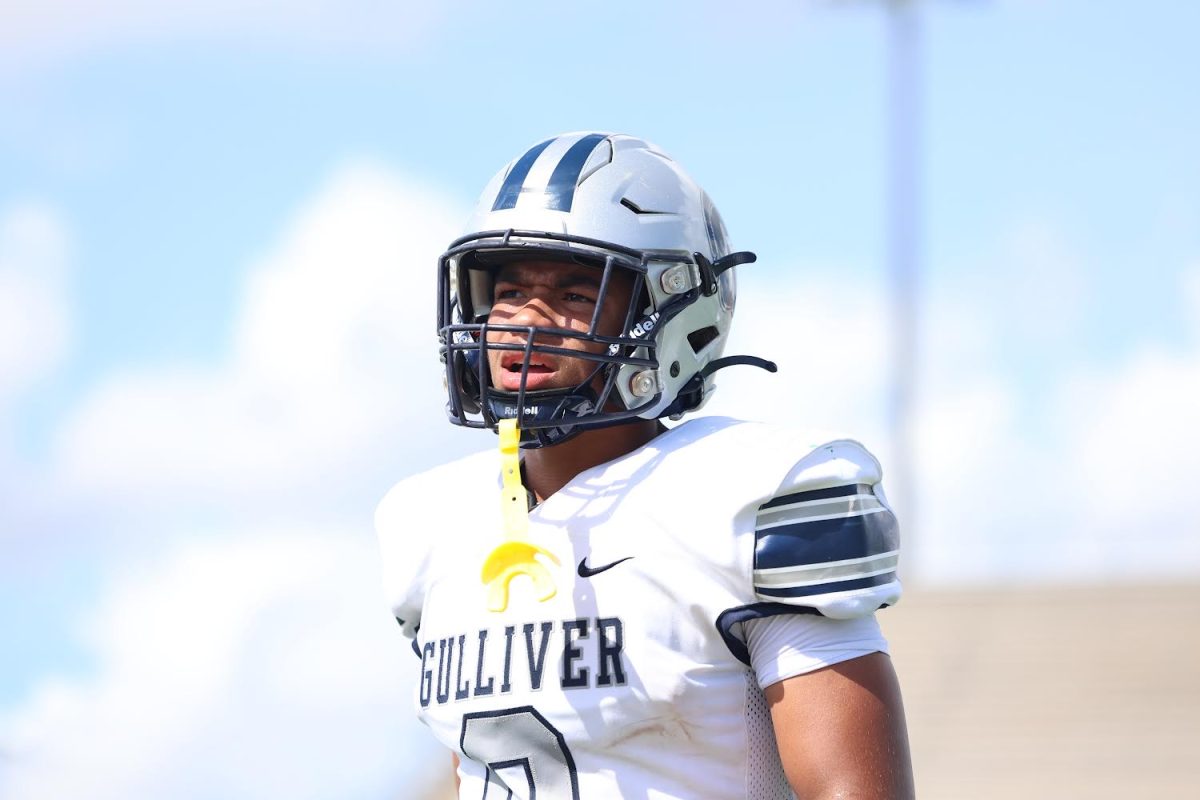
(537, 312)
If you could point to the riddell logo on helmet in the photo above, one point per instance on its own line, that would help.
(513, 411)
(643, 328)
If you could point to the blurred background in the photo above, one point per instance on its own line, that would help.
(978, 228)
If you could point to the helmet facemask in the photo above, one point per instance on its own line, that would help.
(621, 383)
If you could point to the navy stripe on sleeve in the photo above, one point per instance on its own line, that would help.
(823, 540)
(785, 594)
(816, 494)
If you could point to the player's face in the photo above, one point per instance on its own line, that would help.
(552, 295)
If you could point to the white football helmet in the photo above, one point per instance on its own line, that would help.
(613, 202)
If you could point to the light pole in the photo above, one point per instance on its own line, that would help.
(903, 254)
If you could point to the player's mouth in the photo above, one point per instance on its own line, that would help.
(540, 374)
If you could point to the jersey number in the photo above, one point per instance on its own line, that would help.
(519, 746)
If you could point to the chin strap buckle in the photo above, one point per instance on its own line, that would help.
(711, 270)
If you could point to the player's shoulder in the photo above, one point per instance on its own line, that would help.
(430, 493)
(406, 522)
(825, 458)
(767, 459)
(825, 539)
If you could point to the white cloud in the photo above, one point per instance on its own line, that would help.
(829, 345)
(253, 667)
(37, 33)
(36, 331)
(35, 322)
(266, 665)
(1075, 475)
(1019, 302)
(332, 386)
(1136, 434)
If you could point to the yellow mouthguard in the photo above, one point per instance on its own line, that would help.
(509, 560)
(514, 557)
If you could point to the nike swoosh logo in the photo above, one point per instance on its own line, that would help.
(586, 572)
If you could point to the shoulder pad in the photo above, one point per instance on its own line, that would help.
(827, 541)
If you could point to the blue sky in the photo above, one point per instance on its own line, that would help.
(217, 232)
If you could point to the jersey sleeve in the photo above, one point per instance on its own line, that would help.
(786, 645)
(411, 524)
(827, 542)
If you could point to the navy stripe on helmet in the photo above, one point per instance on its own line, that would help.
(510, 190)
(560, 191)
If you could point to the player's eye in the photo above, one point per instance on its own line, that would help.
(507, 293)
(576, 297)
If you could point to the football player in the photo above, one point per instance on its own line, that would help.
(611, 607)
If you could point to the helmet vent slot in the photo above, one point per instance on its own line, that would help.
(635, 208)
(602, 156)
(699, 339)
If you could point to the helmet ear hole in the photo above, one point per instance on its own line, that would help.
(702, 338)
(473, 281)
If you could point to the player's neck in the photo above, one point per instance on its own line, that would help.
(548, 469)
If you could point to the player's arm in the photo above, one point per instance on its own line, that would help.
(826, 551)
(841, 731)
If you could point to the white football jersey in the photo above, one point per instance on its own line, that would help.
(633, 678)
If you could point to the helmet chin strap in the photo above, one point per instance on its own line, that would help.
(559, 404)
(733, 361)
(693, 391)
(542, 407)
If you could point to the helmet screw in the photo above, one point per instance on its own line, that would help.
(676, 280)
(644, 384)
(674, 369)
